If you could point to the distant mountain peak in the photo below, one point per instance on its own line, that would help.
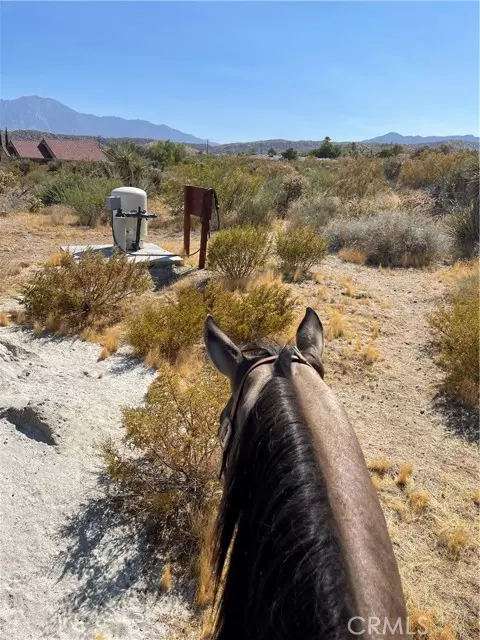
(397, 138)
(50, 115)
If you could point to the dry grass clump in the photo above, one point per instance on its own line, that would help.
(75, 295)
(419, 500)
(166, 579)
(357, 178)
(4, 320)
(167, 326)
(370, 354)
(404, 474)
(454, 537)
(58, 215)
(456, 323)
(238, 252)
(432, 167)
(204, 524)
(389, 239)
(298, 249)
(380, 465)
(352, 255)
(347, 283)
(104, 354)
(169, 469)
(336, 326)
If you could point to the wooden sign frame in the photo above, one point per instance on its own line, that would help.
(198, 202)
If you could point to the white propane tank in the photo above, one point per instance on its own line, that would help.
(125, 229)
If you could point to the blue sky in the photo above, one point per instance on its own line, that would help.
(247, 71)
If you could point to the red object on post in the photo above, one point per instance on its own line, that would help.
(199, 202)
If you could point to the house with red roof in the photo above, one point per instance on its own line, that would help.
(55, 149)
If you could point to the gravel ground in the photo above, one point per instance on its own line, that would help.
(65, 573)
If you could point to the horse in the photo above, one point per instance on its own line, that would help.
(301, 547)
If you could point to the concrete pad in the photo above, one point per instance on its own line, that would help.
(151, 253)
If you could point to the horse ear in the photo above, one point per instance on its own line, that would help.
(310, 338)
(223, 353)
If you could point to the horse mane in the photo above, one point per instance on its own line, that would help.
(278, 561)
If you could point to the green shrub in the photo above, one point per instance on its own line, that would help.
(129, 165)
(314, 212)
(465, 229)
(238, 252)
(290, 154)
(298, 249)
(167, 478)
(456, 322)
(87, 199)
(357, 178)
(78, 294)
(264, 311)
(389, 239)
(326, 150)
(168, 326)
(53, 191)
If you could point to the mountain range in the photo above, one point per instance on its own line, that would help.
(48, 115)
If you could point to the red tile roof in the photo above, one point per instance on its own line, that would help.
(74, 149)
(26, 148)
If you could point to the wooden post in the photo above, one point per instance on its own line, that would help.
(197, 202)
(186, 222)
(206, 214)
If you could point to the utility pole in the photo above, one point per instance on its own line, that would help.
(207, 146)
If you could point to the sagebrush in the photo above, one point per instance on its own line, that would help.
(74, 294)
(389, 238)
(238, 252)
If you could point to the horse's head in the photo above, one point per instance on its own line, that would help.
(250, 367)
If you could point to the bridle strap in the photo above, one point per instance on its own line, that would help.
(226, 427)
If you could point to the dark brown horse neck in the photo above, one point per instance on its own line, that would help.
(300, 520)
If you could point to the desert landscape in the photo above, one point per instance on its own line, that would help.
(107, 400)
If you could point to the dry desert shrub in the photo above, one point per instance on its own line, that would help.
(357, 178)
(389, 239)
(298, 250)
(166, 472)
(238, 252)
(314, 212)
(75, 294)
(168, 326)
(264, 311)
(456, 323)
(431, 167)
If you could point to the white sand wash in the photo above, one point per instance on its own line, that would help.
(66, 572)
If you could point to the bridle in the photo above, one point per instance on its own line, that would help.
(228, 420)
